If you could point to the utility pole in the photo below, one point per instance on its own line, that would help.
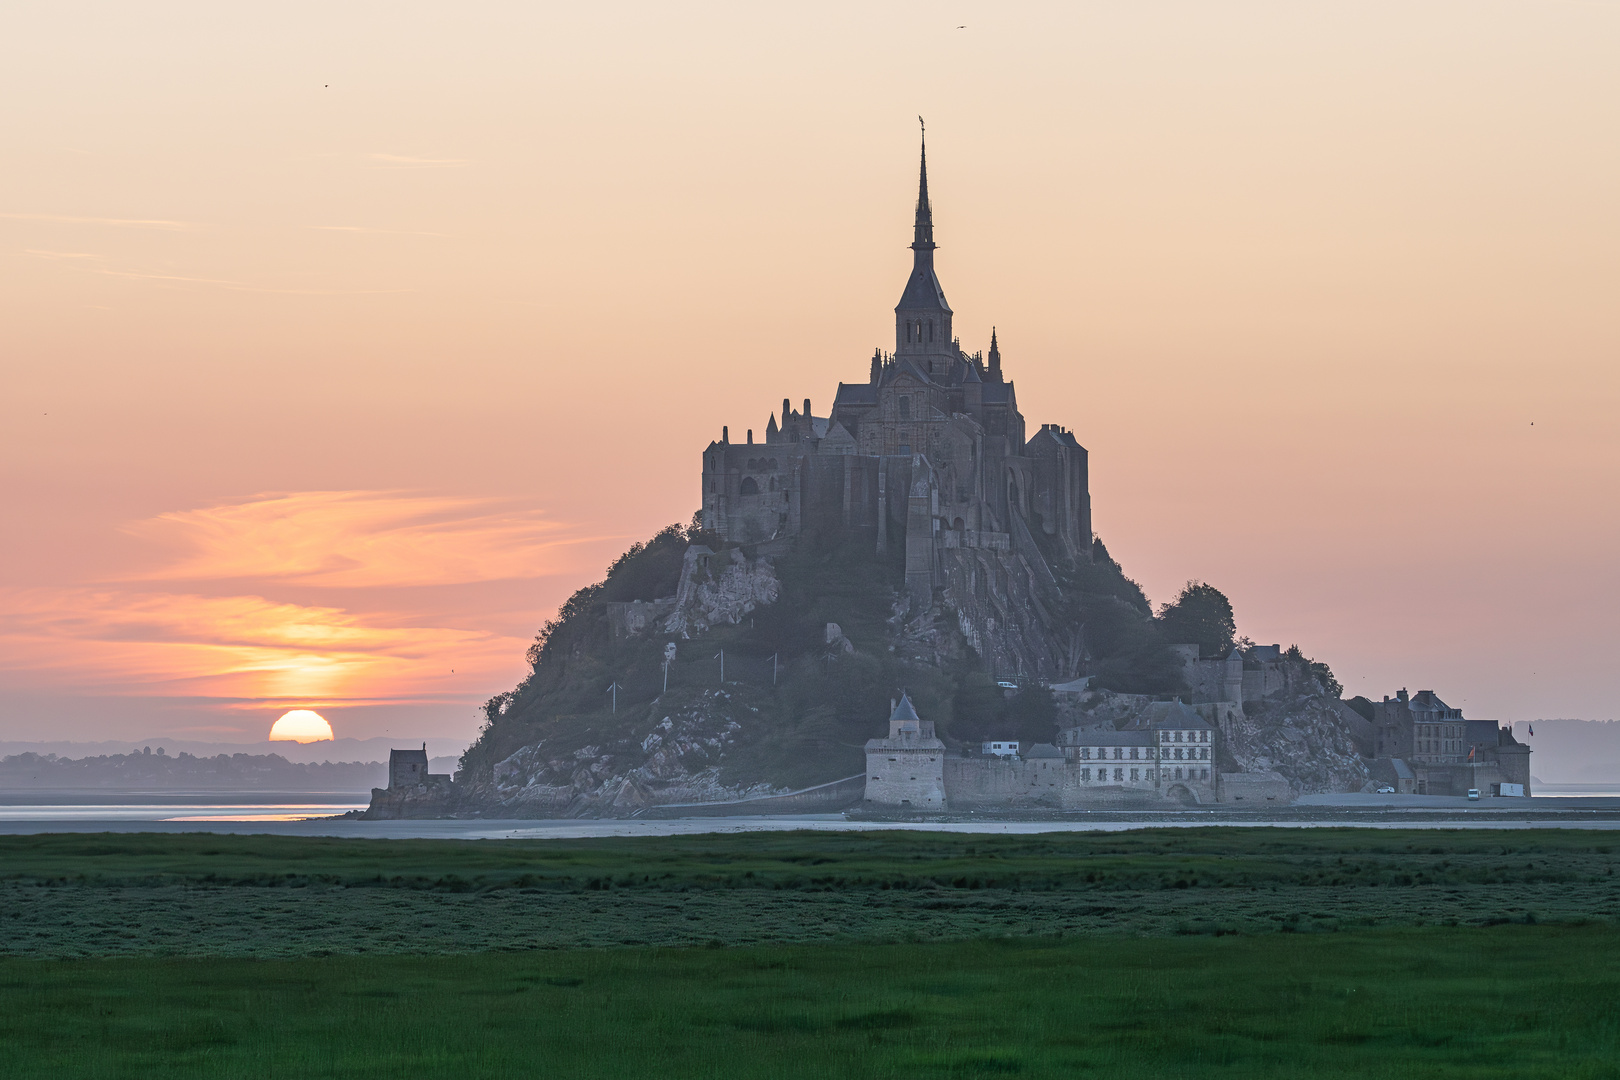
(773, 667)
(614, 690)
(721, 656)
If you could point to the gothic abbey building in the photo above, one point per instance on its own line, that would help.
(931, 456)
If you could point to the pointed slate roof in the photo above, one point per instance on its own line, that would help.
(904, 710)
(923, 291)
(1177, 715)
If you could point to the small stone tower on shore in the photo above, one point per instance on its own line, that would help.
(908, 768)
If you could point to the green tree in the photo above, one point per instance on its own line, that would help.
(1200, 613)
(1324, 676)
(1107, 627)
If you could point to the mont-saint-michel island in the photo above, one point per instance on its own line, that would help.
(593, 542)
(903, 607)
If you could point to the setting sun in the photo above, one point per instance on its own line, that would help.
(302, 726)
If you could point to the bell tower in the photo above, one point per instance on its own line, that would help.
(922, 319)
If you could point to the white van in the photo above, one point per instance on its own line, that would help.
(1473, 794)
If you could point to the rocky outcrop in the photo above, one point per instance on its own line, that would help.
(716, 588)
(719, 589)
(675, 758)
(436, 800)
(1000, 591)
(1307, 738)
(1303, 737)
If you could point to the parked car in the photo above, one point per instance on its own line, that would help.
(1473, 794)
(1385, 790)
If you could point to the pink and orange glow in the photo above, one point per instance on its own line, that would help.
(341, 343)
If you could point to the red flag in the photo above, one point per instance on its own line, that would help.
(1470, 753)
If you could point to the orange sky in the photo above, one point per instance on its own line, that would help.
(341, 342)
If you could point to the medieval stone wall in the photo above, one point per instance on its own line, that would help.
(906, 777)
(1255, 787)
(996, 783)
(1005, 783)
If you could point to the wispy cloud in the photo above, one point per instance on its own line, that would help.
(218, 283)
(400, 160)
(127, 223)
(351, 539)
(379, 232)
(140, 275)
(243, 647)
(225, 614)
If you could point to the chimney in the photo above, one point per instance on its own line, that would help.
(807, 408)
(750, 436)
(725, 435)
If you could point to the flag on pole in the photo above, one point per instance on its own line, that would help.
(1470, 753)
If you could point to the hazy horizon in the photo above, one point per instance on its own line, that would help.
(342, 344)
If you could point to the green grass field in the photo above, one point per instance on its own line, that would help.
(1163, 953)
(1144, 858)
(285, 897)
(1505, 1001)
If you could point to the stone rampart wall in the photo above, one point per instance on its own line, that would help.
(906, 777)
(821, 799)
(1254, 787)
(990, 783)
(984, 783)
(633, 617)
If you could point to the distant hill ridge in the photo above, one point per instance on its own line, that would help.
(224, 772)
(343, 749)
(1573, 751)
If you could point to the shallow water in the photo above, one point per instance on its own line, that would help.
(173, 812)
(1577, 791)
(319, 814)
(239, 819)
(101, 805)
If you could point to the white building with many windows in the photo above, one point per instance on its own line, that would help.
(1168, 752)
(1168, 755)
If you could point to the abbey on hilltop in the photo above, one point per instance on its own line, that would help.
(930, 455)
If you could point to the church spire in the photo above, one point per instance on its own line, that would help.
(922, 319)
(923, 239)
(995, 357)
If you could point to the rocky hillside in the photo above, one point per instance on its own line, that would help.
(697, 671)
(1304, 733)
